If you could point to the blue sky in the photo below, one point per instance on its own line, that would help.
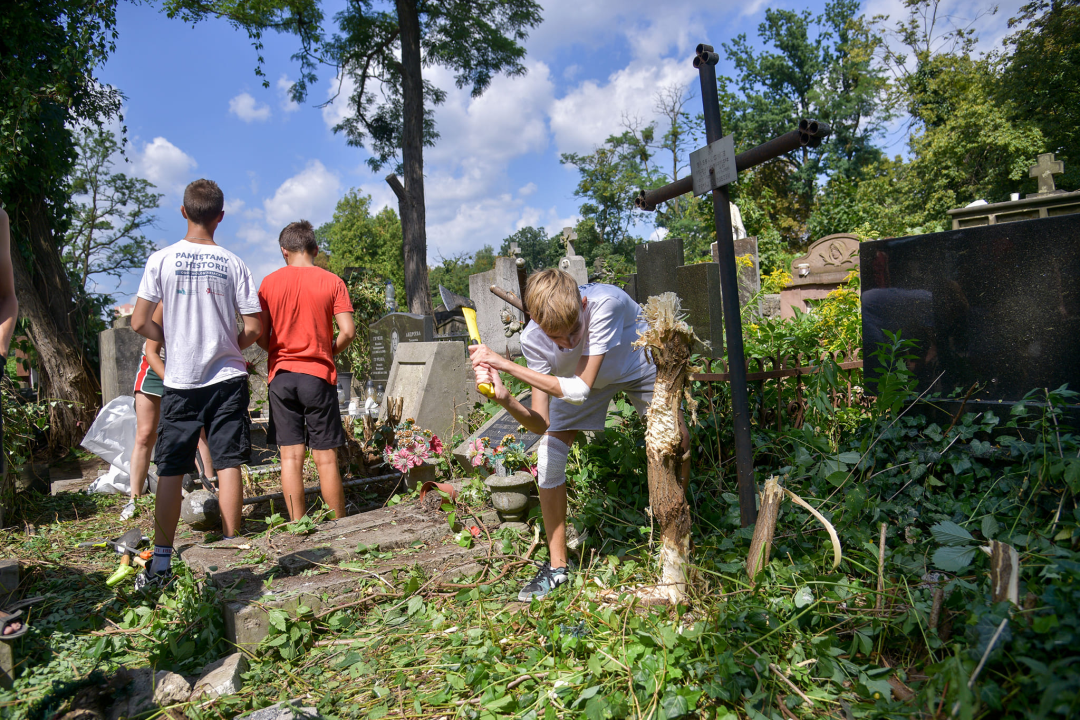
(195, 108)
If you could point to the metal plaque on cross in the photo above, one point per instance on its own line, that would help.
(713, 166)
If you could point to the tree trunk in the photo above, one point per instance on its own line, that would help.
(413, 218)
(669, 340)
(44, 294)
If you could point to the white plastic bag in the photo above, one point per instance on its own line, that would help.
(111, 438)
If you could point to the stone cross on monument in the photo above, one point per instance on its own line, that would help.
(1045, 170)
(572, 262)
(712, 169)
(515, 249)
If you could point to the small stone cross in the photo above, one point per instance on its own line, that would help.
(1045, 170)
(568, 234)
(514, 249)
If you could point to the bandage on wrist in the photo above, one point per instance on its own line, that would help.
(574, 390)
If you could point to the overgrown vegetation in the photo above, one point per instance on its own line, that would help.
(899, 635)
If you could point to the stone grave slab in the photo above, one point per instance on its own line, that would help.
(120, 349)
(390, 331)
(489, 308)
(433, 378)
(699, 291)
(823, 268)
(749, 278)
(499, 425)
(995, 305)
(656, 265)
(418, 537)
(630, 286)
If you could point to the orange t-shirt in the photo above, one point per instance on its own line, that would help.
(298, 308)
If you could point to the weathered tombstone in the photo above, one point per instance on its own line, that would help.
(432, 378)
(823, 268)
(500, 424)
(749, 275)
(656, 265)
(699, 290)
(630, 286)
(120, 350)
(571, 262)
(388, 332)
(490, 309)
(992, 307)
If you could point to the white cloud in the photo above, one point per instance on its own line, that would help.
(163, 164)
(284, 88)
(338, 93)
(310, 195)
(233, 207)
(587, 115)
(527, 190)
(245, 107)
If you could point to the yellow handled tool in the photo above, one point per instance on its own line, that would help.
(453, 301)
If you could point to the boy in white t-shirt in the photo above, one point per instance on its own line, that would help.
(201, 287)
(579, 354)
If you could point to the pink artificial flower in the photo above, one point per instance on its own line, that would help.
(532, 469)
(477, 460)
(436, 445)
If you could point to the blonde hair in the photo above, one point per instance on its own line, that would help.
(553, 300)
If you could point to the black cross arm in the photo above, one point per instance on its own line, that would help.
(809, 134)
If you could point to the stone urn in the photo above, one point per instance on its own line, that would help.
(511, 494)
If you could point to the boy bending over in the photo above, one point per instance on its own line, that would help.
(300, 303)
(201, 287)
(579, 354)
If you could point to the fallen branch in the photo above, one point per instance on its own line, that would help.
(881, 570)
(783, 678)
(837, 553)
(764, 528)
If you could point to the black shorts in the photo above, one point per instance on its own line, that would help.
(304, 411)
(222, 409)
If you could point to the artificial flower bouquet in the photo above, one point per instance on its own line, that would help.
(411, 447)
(509, 454)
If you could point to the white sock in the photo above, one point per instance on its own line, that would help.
(161, 561)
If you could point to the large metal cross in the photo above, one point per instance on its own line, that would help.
(713, 172)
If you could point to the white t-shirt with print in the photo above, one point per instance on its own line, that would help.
(612, 321)
(201, 287)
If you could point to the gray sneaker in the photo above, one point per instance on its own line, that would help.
(546, 580)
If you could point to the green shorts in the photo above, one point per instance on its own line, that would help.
(147, 381)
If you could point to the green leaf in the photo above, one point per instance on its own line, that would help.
(1044, 623)
(803, 597)
(851, 458)
(378, 712)
(837, 478)
(1072, 475)
(277, 619)
(949, 533)
(990, 527)
(416, 604)
(953, 558)
(499, 703)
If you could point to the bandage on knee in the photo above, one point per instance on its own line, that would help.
(551, 455)
(574, 390)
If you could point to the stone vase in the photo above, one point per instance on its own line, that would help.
(510, 494)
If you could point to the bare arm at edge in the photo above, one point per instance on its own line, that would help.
(252, 329)
(9, 303)
(346, 331)
(153, 347)
(142, 321)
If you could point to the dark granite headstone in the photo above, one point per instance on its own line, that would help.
(390, 330)
(656, 265)
(501, 424)
(699, 291)
(997, 305)
(630, 285)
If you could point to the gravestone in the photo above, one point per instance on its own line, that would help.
(630, 286)
(390, 331)
(823, 268)
(433, 380)
(656, 266)
(490, 309)
(699, 291)
(500, 424)
(996, 305)
(749, 276)
(571, 262)
(120, 350)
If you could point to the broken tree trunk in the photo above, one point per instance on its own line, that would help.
(669, 340)
(764, 527)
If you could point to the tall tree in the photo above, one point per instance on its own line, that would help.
(1042, 78)
(813, 67)
(49, 51)
(382, 53)
(356, 238)
(454, 271)
(110, 212)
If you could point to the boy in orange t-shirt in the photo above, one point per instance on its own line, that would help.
(300, 303)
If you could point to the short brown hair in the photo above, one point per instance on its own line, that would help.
(299, 237)
(553, 300)
(203, 201)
